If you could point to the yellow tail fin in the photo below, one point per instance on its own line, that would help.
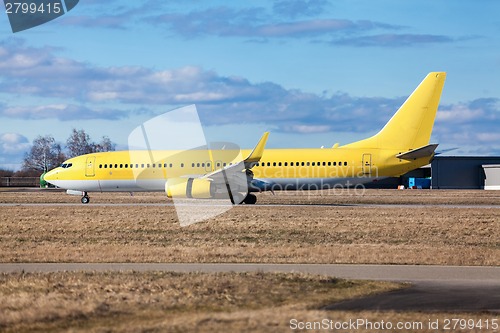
(411, 126)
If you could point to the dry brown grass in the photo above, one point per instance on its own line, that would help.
(457, 229)
(336, 233)
(131, 301)
(190, 302)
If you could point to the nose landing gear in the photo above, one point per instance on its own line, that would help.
(85, 199)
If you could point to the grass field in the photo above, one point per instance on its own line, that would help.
(166, 301)
(195, 302)
(376, 226)
(431, 227)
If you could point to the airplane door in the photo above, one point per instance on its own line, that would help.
(367, 164)
(90, 167)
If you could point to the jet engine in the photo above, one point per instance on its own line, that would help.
(190, 188)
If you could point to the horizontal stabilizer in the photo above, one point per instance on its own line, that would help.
(425, 151)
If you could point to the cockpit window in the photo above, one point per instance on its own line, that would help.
(66, 165)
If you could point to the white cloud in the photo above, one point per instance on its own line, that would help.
(84, 91)
(13, 143)
(62, 112)
(459, 113)
(489, 137)
(306, 129)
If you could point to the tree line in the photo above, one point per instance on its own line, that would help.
(46, 154)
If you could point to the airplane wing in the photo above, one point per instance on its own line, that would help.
(237, 178)
(249, 162)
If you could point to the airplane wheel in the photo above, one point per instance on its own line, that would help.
(85, 200)
(238, 199)
(251, 199)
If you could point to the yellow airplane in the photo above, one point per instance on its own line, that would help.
(402, 145)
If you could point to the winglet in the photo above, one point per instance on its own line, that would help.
(258, 151)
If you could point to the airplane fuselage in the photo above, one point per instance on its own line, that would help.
(280, 169)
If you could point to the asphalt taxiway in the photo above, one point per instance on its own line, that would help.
(198, 204)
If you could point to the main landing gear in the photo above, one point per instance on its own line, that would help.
(85, 199)
(250, 199)
(240, 199)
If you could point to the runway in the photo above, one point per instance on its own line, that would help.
(201, 204)
(434, 288)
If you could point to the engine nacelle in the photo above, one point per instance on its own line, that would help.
(190, 188)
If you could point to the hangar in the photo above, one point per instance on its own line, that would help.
(492, 173)
(465, 172)
(451, 172)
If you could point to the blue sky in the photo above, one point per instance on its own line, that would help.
(312, 72)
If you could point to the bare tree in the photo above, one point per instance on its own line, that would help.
(105, 145)
(79, 143)
(45, 154)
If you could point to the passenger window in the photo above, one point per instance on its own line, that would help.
(313, 163)
(100, 166)
(334, 163)
(308, 163)
(329, 163)
(197, 165)
(279, 164)
(121, 166)
(302, 163)
(148, 165)
(105, 166)
(286, 163)
(182, 165)
(345, 163)
(291, 163)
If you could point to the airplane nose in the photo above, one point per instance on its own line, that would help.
(51, 175)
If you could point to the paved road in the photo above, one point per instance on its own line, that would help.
(434, 288)
(430, 297)
(410, 273)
